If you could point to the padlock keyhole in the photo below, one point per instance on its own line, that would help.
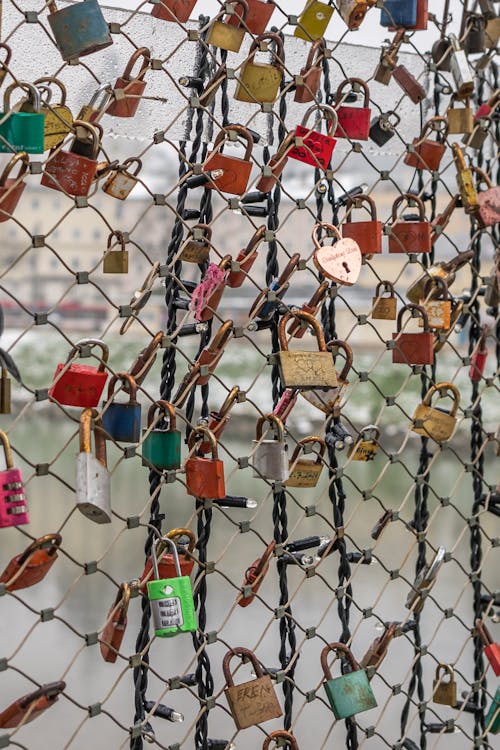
(346, 266)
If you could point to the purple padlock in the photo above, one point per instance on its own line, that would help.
(13, 508)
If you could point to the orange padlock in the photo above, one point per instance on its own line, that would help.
(114, 630)
(246, 258)
(11, 188)
(229, 174)
(125, 105)
(413, 348)
(174, 10)
(427, 154)
(311, 73)
(32, 565)
(368, 234)
(205, 476)
(30, 706)
(409, 236)
(258, 16)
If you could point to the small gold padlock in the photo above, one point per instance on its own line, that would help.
(115, 261)
(444, 691)
(306, 472)
(438, 310)
(433, 422)
(313, 21)
(260, 82)
(366, 446)
(58, 118)
(196, 248)
(228, 37)
(461, 119)
(384, 308)
(305, 369)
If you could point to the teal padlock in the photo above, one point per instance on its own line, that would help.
(171, 599)
(350, 693)
(492, 720)
(161, 449)
(22, 128)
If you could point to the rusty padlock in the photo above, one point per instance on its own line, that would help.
(205, 476)
(30, 706)
(218, 419)
(488, 200)
(436, 305)
(129, 88)
(122, 180)
(207, 295)
(12, 188)
(413, 348)
(260, 82)
(235, 171)
(246, 258)
(258, 16)
(367, 234)
(384, 308)
(32, 565)
(178, 11)
(208, 359)
(254, 575)
(340, 262)
(432, 422)
(409, 84)
(196, 247)
(271, 172)
(311, 73)
(315, 148)
(427, 154)
(305, 472)
(305, 369)
(116, 623)
(409, 236)
(252, 702)
(353, 122)
(70, 171)
(353, 12)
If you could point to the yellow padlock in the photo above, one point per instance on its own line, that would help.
(430, 421)
(58, 118)
(260, 82)
(313, 21)
(228, 37)
(305, 472)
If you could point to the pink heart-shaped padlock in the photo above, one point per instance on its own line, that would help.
(340, 262)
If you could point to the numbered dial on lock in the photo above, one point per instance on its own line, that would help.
(340, 262)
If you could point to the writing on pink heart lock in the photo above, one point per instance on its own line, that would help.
(340, 262)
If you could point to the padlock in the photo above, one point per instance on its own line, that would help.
(444, 691)
(326, 400)
(388, 59)
(11, 188)
(122, 180)
(305, 472)
(311, 73)
(122, 421)
(305, 369)
(246, 258)
(316, 149)
(205, 476)
(491, 649)
(209, 358)
(460, 70)
(473, 32)
(433, 422)
(353, 12)
(377, 651)
(492, 719)
(366, 446)
(366, 234)
(4, 64)
(252, 702)
(270, 459)
(5, 392)
(382, 129)
(446, 270)
(297, 328)
(130, 87)
(227, 36)
(254, 575)
(492, 33)
(440, 339)
(260, 82)
(207, 295)
(384, 308)
(427, 154)
(313, 21)
(438, 309)
(93, 486)
(272, 171)
(481, 130)
(479, 356)
(489, 107)
(171, 599)
(488, 200)
(218, 419)
(267, 301)
(409, 84)
(22, 129)
(413, 348)
(353, 122)
(13, 507)
(350, 693)
(196, 247)
(79, 29)
(32, 565)
(80, 385)
(340, 262)
(58, 118)
(399, 13)
(465, 181)
(441, 53)
(30, 706)
(161, 448)
(282, 738)
(115, 261)
(422, 15)
(97, 106)
(69, 171)
(459, 120)
(166, 560)
(235, 171)
(409, 236)
(116, 623)
(178, 11)
(259, 15)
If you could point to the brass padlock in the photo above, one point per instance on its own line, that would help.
(115, 261)
(58, 117)
(121, 181)
(305, 369)
(313, 21)
(438, 310)
(260, 82)
(444, 691)
(482, 128)
(460, 120)
(366, 446)
(196, 248)
(306, 472)
(384, 308)
(465, 181)
(251, 702)
(432, 422)
(223, 35)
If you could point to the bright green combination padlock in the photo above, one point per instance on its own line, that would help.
(172, 604)
(350, 693)
(161, 449)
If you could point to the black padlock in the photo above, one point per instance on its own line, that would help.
(382, 129)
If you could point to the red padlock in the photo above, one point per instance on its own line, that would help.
(413, 348)
(207, 295)
(11, 188)
(32, 565)
(205, 476)
(130, 88)
(487, 108)
(316, 149)
(311, 73)
(80, 385)
(255, 574)
(427, 154)
(209, 357)
(353, 122)
(166, 563)
(479, 357)
(174, 10)
(488, 200)
(491, 649)
(258, 16)
(116, 623)
(235, 171)
(409, 236)
(219, 419)
(368, 234)
(72, 171)
(272, 171)
(246, 258)
(30, 706)
(295, 328)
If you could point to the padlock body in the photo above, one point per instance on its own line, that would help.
(460, 120)
(93, 491)
(267, 182)
(437, 424)
(10, 195)
(492, 720)
(410, 237)
(384, 308)
(307, 370)
(57, 125)
(305, 473)
(258, 16)
(123, 422)
(195, 251)
(80, 29)
(489, 206)
(253, 702)
(172, 606)
(427, 155)
(39, 564)
(13, 508)
(174, 10)
(354, 123)
(492, 653)
(399, 13)
(258, 83)
(409, 84)
(236, 278)
(368, 235)
(350, 694)
(438, 313)
(379, 134)
(120, 184)
(70, 173)
(236, 173)
(306, 92)
(413, 348)
(478, 363)
(112, 637)
(444, 691)
(115, 261)
(162, 449)
(205, 478)
(313, 21)
(365, 450)
(22, 131)
(127, 107)
(270, 460)
(81, 385)
(317, 149)
(226, 37)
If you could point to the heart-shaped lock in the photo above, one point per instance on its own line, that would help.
(340, 262)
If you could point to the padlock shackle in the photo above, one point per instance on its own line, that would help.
(124, 377)
(101, 97)
(255, 241)
(355, 201)
(225, 263)
(277, 55)
(60, 85)
(422, 312)
(119, 236)
(244, 6)
(340, 344)
(95, 132)
(229, 402)
(20, 158)
(311, 322)
(337, 647)
(223, 135)
(140, 368)
(444, 668)
(33, 95)
(483, 176)
(165, 541)
(280, 734)
(443, 387)
(316, 53)
(178, 533)
(284, 147)
(438, 124)
(330, 116)
(319, 294)
(167, 408)
(454, 99)
(439, 282)
(131, 160)
(307, 441)
(221, 338)
(273, 420)
(85, 435)
(388, 287)
(199, 433)
(205, 228)
(352, 82)
(239, 651)
(329, 228)
(143, 52)
(6, 449)
(52, 541)
(408, 197)
(91, 342)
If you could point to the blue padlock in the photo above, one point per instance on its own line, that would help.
(399, 13)
(22, 128)
(122, 421)
(268, 299)
(79, 29)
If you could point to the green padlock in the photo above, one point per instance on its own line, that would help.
(350, 693)
(492, 720)
(22, 128)
(161, 449)
(172, 604)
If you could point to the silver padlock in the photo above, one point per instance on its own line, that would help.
(270, 459)
(460, 70)
(93, 491)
